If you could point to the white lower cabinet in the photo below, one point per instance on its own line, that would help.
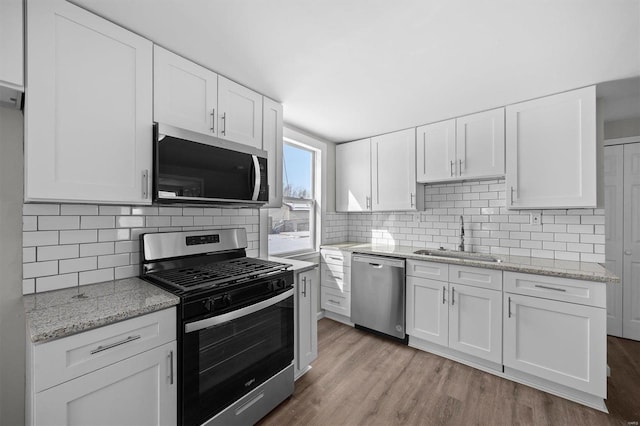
(462, 317)
(306, 333)
(335, 283)
(136, 391)
(120, 374)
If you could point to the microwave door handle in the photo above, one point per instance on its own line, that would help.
(256, 178)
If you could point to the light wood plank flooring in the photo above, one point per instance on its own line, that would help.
(363, 379)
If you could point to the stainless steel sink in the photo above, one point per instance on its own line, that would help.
(478, 257)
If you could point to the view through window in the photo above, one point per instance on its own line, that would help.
(292, 227)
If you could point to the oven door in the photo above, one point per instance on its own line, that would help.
(226, 356)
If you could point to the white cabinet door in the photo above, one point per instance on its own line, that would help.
(11, 45)
(272, 143)
(240, 115)
(561, 342)
(551, 151)
(614, 226)
(141, 390)
(307, 323)
(185, 94)
(393, 172)
(475, 321)
(480, 144)
(427, 310)
(436, 151)
(353, 176)
(88, 118)
(631, 272)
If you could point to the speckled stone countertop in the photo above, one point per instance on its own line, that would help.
(532, 265)
(58, 313)
(296, 265)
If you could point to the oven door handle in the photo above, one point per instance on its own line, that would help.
(229, 316)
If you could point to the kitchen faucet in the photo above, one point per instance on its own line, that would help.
(461, 245)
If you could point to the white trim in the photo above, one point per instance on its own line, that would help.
(620, 141)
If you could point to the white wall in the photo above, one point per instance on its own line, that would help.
(12, 326)
(622, 128)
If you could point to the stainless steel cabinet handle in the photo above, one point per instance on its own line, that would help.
(368, 202)
(453, 296)
(550, 288)
(170, 356)
(335, 258)
(451, 167)
(444, 290)
(509, 308)
(213, 120)
(333, 301)
(113, 345)
(224, 123)
(628, 252)
(304, 286)
(460, 167)
(411, 198)
(145, 184)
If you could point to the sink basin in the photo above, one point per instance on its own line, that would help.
(478, 257)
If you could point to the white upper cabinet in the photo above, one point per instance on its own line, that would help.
(11, 45)
(393, 173)
(480, 145)
(240, 113)
(436, 151)
(272, 143)
(353, 176)
(88, 118)
(185, 94)
(469, 147)
(551, 151)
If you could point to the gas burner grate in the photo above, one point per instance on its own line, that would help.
(217, 273)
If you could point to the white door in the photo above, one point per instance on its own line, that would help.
(393, 172)
(480, 144)
(551, 151)
(240, 115)
(614, 225)
(185, 94)
(561, 342)
(307, 325)
(141, 390)
(353, 176)
(88, 119)
(428, 310)
(475, 321)
(272, 143)
(436, 151)
(631, 272)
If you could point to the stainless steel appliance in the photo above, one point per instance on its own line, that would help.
(235, 324)
(378, 295)
(191, 167)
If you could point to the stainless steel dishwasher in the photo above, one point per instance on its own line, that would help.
(378, 294)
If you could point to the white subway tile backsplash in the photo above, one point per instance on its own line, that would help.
(127, 246)
(96, 249)
(144, 211)
(130, 221)
(47, 223)
(56, 282)
(40, 209)
(29, 286)
(39, 238)
(39, 269)
(78, 210)
(28, 254)
(29, 223)
(126, 271)
(96, 276)
(113, 260)
(57, 252)
(79, 264)
(170, 211)
(113, 234)
(114, 210)
(97, 222)
(73, 237)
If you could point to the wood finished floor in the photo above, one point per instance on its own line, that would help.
(362, 379)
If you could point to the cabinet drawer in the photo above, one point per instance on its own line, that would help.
(336, 257)
(562, 289)
(335, 301)
(477, 277)
(336, 279)
(60, 360)
(430, 270)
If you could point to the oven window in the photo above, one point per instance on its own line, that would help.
(224, 362)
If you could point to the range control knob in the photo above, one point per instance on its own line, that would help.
(226, 300)
(209, 304)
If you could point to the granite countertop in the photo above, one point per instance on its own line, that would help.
(296, 265)
(533, 265)
(55, 314)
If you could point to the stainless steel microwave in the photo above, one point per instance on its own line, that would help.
(190, 167)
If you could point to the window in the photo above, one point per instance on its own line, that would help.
(292, 226)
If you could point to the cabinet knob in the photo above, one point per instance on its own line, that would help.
(628, 252)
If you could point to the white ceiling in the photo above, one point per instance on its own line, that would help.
(347, 69)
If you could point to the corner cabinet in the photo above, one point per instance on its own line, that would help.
(11, 52)
(469, 147)
(272, 143)
(124, 373)
(185, 94)
(88, 113)
(377, 174)
(306, 320)
(240, 115)
(551, 151)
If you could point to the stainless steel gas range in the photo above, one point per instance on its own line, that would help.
(235, 324)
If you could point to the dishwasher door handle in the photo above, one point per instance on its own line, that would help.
(376, 265)
(377, 260)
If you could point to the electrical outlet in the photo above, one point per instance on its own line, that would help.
(535, 218)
